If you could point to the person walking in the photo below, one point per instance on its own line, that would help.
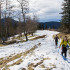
(56, 40)
(64, 44)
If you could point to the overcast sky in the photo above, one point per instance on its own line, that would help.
(46, 10)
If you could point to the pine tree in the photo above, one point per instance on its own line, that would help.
(66, 16)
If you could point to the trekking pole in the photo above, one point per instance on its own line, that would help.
(58, 49)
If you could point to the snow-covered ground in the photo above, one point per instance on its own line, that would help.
(46, 53)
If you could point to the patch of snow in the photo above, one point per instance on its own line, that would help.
(46, 49)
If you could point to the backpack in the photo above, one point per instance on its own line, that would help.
(56, 38)
(67, 46)
(63, 41)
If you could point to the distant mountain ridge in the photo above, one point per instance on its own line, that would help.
(42, 25)
(12, 21)
(51, 24)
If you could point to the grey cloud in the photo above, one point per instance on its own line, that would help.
(46, 8)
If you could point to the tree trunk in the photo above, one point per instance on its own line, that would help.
(32, 33)
(0, 22)
(26, 37)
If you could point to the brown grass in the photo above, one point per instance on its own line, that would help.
(38, 37)
(30, 67)
(14, 41)
(1, 45)
(25, 53)
(4, 61)
(42, 66)
(52, 29)
(16, 63)
(53, 66)
(10, 42)
(23, 69)
(5, 69)
(46, 58)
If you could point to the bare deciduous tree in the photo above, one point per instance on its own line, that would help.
(1, 3)
(24, 9)
(31, 25)
(8, 13)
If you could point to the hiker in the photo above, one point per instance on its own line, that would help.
(3, 40)
(64, 44)
(56, 40)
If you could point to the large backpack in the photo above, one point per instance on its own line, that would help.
(67, 46)
(63, 41)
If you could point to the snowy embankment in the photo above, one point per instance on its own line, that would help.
(44, 57)
(20, 47)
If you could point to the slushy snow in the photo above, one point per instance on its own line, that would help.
(46, 49)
